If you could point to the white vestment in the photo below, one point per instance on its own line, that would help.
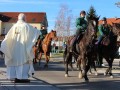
(17, 47)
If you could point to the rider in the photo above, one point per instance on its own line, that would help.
(103, 30)
(44, 32)
(81, 25)
(42, 36)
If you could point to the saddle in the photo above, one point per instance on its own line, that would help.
(74, 43)
(105, 41)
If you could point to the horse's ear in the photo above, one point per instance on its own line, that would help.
(98, 17)
(53, 30)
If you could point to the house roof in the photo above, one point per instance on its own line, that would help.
(31, 17)
(111, 20)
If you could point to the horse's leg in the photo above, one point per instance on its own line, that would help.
(84, 68)
(95, 68)
(35, 54)
(64, 55)
(100, 56)
(79, 67)
(70, 61)
(87, 67)
(47, 56)
(39, 57)
(78, 63)
(91, 65)
(110, 70)
(66, 64)
(90, 71)
(107, 70)
(100, 60)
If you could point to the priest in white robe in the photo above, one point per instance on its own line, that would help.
(17, 47)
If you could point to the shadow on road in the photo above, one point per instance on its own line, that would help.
(97, 85)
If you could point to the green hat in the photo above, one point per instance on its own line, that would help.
(104, 19)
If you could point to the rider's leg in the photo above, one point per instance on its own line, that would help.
(99, 39)
(76, 37)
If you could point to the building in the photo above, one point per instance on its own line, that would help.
(111, 20)
(7, 19)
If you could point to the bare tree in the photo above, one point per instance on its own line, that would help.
(63, 22)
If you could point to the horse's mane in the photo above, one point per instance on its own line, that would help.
(87, 36)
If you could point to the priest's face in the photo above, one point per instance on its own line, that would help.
(43, 27)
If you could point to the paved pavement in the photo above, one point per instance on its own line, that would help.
(35, 84)
(53, 78)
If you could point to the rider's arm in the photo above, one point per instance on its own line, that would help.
(100, 30)
(78, 26)
(84, 25)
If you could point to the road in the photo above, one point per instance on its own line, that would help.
(55, 76)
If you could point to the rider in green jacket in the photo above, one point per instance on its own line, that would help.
(81, 25)
(42, 36)
(44, 32)
(103, 30)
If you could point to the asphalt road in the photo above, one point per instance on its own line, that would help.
(54, 75)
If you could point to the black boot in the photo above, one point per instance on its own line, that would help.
(74, 42)
(22, 80)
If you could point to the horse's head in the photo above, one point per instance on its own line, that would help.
(116, 29)
(92, 24)
(53, 35)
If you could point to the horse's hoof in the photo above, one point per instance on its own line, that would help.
(66, 75)
(77, 68)
(111, 76)
(90, 73)
(96, 73)
(105, 73)
(32, 74)
(87, 80)
(80, 76)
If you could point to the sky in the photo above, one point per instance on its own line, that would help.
(103, 8)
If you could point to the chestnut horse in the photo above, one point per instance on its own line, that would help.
(44, 47)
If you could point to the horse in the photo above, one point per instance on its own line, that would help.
(82, 55)
(44, 47)
(92, 56)
(108, 48)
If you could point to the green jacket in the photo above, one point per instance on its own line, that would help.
(43, 33)
(104, 30)
(81, 24)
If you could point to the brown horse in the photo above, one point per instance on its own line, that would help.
(108, 50)
(83, 59)
(44, 47)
